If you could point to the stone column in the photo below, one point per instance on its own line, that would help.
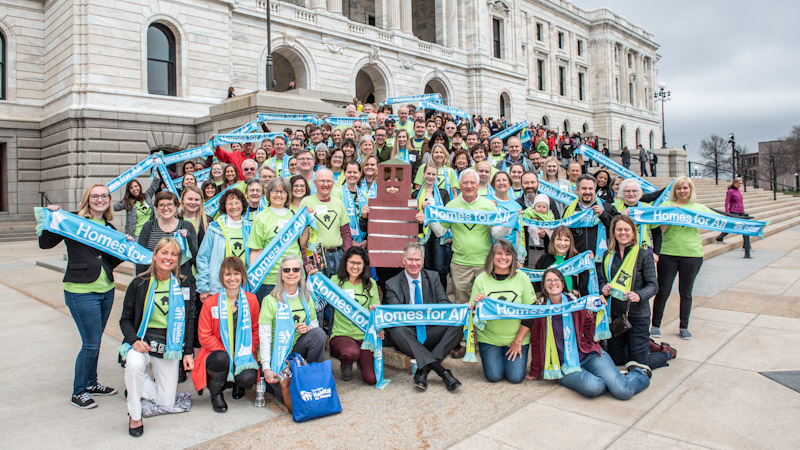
(318, 4)
(335, 6)
(405, 16)
(393, 12)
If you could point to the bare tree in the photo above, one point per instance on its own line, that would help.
(787, 153)
(716, 154)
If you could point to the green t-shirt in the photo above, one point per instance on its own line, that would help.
(277, 164)
(341, 325)
(517, 289)
(331, 216)
(683, 241)
(417, 144)
(143, 213)
(471, 243)
(159, 318)
(99, 286)
(269, 307)
(237, 243)
(408, 126)
(266, 226)
(440, 177)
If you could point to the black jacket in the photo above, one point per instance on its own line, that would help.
(133, 310)
(645, 283)
(83, 262)
(432, 290)
(586, 238)
(548, 260)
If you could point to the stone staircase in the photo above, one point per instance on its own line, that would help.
(782, 213)
(15, 228)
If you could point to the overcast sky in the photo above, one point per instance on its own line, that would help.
(732, 66)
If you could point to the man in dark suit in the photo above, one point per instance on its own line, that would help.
(403, 289)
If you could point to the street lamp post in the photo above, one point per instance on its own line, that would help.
(732, 141)
(662, 96)
(270, 72)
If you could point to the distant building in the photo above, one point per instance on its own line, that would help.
(786, 167)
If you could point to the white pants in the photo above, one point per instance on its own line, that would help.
(139, 385)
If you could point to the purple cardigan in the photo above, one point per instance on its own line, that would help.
(734, 202)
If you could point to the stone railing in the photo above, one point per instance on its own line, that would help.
(358, 30)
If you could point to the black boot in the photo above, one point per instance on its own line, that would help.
(216, 385)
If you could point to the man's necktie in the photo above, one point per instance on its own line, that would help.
(421, 333)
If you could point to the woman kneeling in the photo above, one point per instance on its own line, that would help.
(288, 316)
(228, 337)
(565, 350)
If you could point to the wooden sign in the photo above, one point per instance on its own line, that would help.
(392, 222)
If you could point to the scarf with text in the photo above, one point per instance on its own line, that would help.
(434, 98)
(685, 217)
(270, 117)
(602, 159)
(508, 219)
(267, 259)
(130, 174)
(510, 130)
(600, 242)
(622, 281)
(555, 193)
(203, 151)
(242, 340)
(353, 209)
(176, 319)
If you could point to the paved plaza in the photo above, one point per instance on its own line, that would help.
(746, 320)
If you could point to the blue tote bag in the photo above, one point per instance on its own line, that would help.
(312, 389)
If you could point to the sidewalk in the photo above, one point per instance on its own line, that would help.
(746, 311)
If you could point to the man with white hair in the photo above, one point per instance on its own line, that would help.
(350, 111)
(333, 223)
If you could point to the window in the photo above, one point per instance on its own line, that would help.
(160, 60)
(540, 74)
(580, 47)
(562, 80)
(630, 92)
(2, 66)
(638, 137)
(630, 61)
(646, 99)
(504, 104)
(616, 88)
(622, 136)
(581, 92)
(371, 20)
(561, 40)
(585, 128)
(652, 139)
(545, 121)
(497, 37)
(566, 126)
(616, 53)
(539, 31)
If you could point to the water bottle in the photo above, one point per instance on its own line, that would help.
(261, 389)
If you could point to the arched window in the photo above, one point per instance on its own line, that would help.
(161, 78)
(622, 136)
(652, 139)
(2, 66)
(566, 125)
(545, 121)
(638, 137)
(586, 128)
(502, 105)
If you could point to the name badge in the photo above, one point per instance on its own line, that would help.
(215, 312)
(186, 292)
(412, 158)
(322, 210)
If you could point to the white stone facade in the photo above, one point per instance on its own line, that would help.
(77, 108)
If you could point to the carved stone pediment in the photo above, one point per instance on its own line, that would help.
(498, 7)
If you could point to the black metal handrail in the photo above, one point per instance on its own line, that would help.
(773, 182)
(43, 200)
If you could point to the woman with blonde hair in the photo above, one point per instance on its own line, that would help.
(88, 292)
(447, 178)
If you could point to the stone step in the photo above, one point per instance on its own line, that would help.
(121, 280)
(734, 242)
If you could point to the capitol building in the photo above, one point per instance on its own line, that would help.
(87, 89)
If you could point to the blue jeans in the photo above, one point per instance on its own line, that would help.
(634, 344)
(598, 375)
(496, 364)
(332, 261)
(90, 312)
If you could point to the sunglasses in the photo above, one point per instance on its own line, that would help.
(291, 269)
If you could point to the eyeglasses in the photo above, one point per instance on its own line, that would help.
(291, 269)
(355, 263)
(99, 196)
(278, 192)
(165, 206)
(556, 281)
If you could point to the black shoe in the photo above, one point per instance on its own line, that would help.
(450, 381)
(181, 374)
(238, 392)
(136, 432)
(643, 367)
(347, 372)
(720, 240)
(99, 389)
(218, 403)
(421, 379)
(83, 401)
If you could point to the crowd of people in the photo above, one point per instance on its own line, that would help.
(229, 335)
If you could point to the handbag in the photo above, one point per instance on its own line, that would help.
(312, 389)
(287, 396)
(621, 324)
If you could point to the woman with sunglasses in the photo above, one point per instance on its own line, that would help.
(268, 224)
(309, 340)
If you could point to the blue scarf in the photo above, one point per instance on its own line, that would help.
(200, 177)
(583, 219)
(91, 233)
(249, 127)
(508, 219)
(573, 266)
(555, 193)
(198, 152)
(434, 98)
(283, 337)
(130, 174)
(176, 319)
(602, 159)
(269, 117)
(328, 293)
(601, 245)
(165, 177)
(353, 210)
(685, 217)
(445, 109)
(243, 358)
(212, 206)
(389, 316)
(284, 170)
(510, 130)
(664, 194)
(186, 254)
(230, 138)
(341, 121)
(372, 191)
(267, 259)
